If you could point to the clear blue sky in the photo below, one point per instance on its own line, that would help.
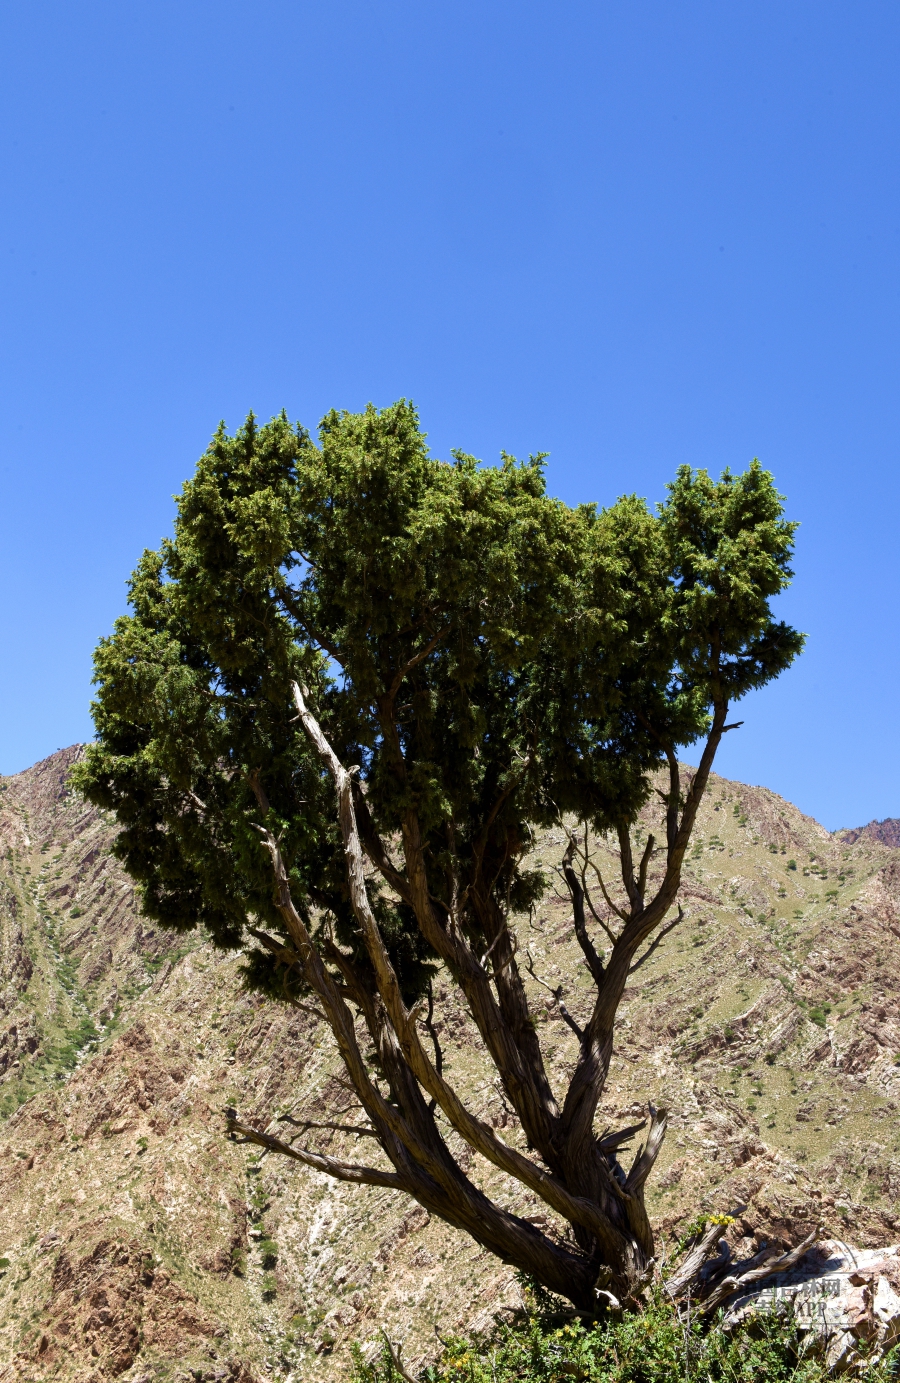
(632, 235)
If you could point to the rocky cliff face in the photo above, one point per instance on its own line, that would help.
(887, 832)
(141, 1244)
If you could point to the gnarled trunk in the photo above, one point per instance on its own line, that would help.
(610, 1245)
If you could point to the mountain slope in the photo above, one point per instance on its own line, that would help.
(142, 1244)
(887, 832)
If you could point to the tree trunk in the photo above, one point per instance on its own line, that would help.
(606, 1241)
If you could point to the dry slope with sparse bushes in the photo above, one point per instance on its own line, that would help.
(140, 1244)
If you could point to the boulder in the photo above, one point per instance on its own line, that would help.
(845, 1301)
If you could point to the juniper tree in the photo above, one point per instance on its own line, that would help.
(351, 689)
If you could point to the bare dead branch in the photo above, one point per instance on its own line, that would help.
(609, 1142)
(779, 1264)
(485, 957)
(660, 936)
(642, 870)
(343, 1171)
(689, 1268)
(576, 892)
(305, 1008)
(557, 995)
(626, 862)
(306, 1124)
(432, 1032)
(344, 1084)
(645, 1157)
(601, 922)
(713, 1266)
(394, 1352)
(620, 913)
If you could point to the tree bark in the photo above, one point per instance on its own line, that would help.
(578, 1176)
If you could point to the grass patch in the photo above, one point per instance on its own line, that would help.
(652, 1347)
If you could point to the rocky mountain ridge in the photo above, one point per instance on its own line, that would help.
(140, 1244)
(887, 832)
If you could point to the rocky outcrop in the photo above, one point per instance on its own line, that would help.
(886, 832)
(846, 1302)
(109, 1304)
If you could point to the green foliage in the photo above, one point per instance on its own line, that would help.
(268, 1252)
(654, 1346)
(488, 656)
(153, 964)
(64, 1053)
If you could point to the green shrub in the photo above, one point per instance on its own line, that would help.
(65, 1053)
(269, 1286)
(653, 1347)
(268, 1253)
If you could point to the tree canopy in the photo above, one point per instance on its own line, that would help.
(351, 688)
